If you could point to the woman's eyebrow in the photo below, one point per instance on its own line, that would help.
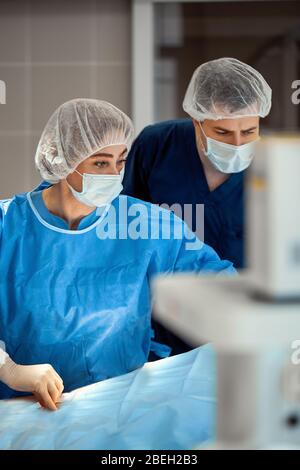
(103, 154)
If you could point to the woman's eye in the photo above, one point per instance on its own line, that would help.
(101, 164)
(122, 161)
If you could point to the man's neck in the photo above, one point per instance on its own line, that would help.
(213, 176)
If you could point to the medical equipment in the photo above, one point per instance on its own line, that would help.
(274, 218)
(254, 331)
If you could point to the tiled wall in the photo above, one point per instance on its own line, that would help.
(50, 52)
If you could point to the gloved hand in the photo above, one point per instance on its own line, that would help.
(41, 380)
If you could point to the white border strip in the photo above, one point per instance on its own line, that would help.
(62, 230)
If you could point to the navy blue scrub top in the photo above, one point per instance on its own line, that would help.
(164, 166)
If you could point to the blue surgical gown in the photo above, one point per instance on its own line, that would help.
(79, 299)
(163, 166)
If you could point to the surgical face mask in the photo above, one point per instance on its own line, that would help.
(229, 158)
(99, 190)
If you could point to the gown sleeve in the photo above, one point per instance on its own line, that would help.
(185, 254)
(188, 254)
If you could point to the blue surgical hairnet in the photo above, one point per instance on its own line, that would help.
(227, 88)
(75, 131)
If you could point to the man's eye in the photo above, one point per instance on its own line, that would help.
(247, 132)
(221, 132)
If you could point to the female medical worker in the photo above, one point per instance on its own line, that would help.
(203, 160)
(74, 286)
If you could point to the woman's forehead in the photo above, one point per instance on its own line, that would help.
(110, 150)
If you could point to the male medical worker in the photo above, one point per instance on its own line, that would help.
(202, 160)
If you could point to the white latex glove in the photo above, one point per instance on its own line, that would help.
(41, 380)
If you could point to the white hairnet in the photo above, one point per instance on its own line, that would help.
(76, 130)
(227, 88)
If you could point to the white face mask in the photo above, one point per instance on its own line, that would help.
(229, 158)
(99, 190)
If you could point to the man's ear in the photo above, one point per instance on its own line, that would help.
(198, 135)
(197, 129)
(195, 123)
